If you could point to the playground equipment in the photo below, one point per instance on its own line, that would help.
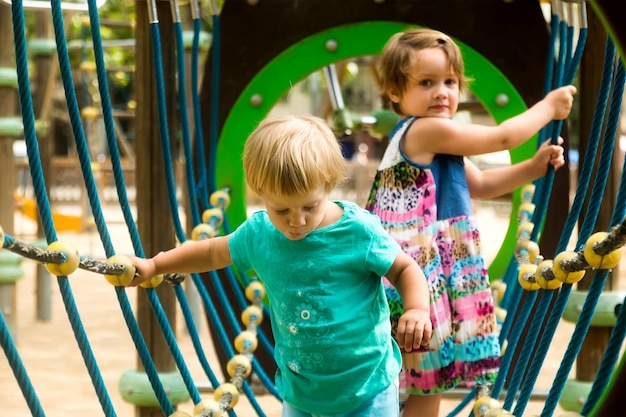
(244, 102)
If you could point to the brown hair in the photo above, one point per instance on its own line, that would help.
(293, 155)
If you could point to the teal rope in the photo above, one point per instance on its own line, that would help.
(542, 308)
(109, 125)
(619, 331)
(171, 194)
(541, 198)
(197, 344)
(91, 187)
(513, 341)
(597, 285)
(44, 208)
(203, 182)
(184, 121)
(215, 94)
(233, 320)
(585, 178)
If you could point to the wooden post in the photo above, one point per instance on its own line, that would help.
(8, 108)
(153, 213)
(46, 71)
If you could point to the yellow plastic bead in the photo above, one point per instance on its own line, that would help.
(72, 259)
(252, 313)
(239, 360)
(90, 112)
(246, 341)
(484, 404)
(530, 247)
(209, 406)
(220, 199)
(88, 66)
(255, 289)
(227, 388)
(528, 192)
(562, 275)
(125, 277)
(500, 314)
(607, 261)
(213, 216)
(546, 284)
(1, 237)
(526, 211)
(153, 282)
(505, 344)
(203, 231)
(526, 277)
(525, 229)
(498, 288)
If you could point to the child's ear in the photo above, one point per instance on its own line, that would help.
(394, 96)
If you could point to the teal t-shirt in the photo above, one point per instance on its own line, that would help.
(328, 310)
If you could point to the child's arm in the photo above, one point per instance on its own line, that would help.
(414, 326)
(193, 256)
(494, 182)
(429, 136)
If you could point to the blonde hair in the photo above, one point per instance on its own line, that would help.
(396, 59)
(293, 155)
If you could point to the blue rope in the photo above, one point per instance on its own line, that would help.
(618, 333)
(214, 318)
(463, 403)
(109, 126)
(561, 301)
(555, 20)
(569, 65)
(597, 285)
(91, 186)
(171, 188)
(195, 215)
(232, 319)
(184, 120)
(163, 129)
(527, 347)
(232, 280)
(203, 180)
(595, 132)
(215, 93)
(197, 344)
(43, 203)
(135, 331)
(513, 340)
(541, 198)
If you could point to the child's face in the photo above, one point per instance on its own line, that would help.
(297, 216)
(433, 89)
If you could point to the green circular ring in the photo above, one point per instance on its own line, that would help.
(335, 44)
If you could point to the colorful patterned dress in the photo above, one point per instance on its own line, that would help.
(427, 209)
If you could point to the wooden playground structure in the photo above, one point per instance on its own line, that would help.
(512, 39)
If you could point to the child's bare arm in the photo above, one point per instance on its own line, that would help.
(414, 326)
(429, 136)
(192, 256)
(495, 182)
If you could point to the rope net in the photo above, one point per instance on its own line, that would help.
(537, 289)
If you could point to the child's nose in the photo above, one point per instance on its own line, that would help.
(297, 220)
(441, 90)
